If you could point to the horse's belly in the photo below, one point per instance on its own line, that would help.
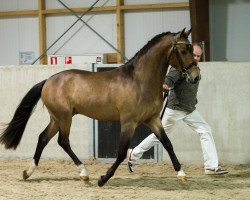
(106, 113)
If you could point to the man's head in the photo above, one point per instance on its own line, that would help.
(197, 51)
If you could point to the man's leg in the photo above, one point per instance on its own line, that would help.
(144, 146)
(169, 121)
(198, 124)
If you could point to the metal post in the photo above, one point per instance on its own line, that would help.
(203, 51)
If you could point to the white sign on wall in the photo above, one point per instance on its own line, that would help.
(26, 58)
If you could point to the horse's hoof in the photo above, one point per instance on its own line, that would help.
(25, 175)
(181, 176)
(84, 178)
(100, 182)
(182, 179)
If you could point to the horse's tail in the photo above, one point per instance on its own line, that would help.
(13, 133)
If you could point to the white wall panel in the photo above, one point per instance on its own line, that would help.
(52, 4)
(84, 40)
(140, 27)
(55, 26)
(87, 41)
(152, 1)
(10, 5)
(27, 4)
(229, 30)
(14, 5)
(176, 20)
(17, 35)
(238, 33)
(9, 41)
(28, 34)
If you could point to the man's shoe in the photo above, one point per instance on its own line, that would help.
(216, 171)
(130, 163)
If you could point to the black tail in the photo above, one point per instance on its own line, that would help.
(13, 133)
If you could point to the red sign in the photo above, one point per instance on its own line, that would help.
(53, 60)
(68, 60)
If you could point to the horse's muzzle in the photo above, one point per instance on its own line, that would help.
(196, 79)
(192, 77)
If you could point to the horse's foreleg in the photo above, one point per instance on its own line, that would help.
(63, 141)
(163, 138)
(169, 147)
(127, 132)
(43, 140)
(156, 126)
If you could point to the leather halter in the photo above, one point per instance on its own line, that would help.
(186, 67)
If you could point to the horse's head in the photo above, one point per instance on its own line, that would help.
(182, 57)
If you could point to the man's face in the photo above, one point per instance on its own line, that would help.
(197, 53)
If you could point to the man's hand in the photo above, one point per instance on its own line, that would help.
(165, 87)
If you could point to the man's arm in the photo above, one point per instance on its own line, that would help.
(171, 78)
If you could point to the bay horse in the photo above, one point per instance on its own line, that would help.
(131, 94)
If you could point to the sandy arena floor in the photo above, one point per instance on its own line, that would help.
(59, 180)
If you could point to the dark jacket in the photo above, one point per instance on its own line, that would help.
(182, 95)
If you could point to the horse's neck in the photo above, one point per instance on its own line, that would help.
(152, 67)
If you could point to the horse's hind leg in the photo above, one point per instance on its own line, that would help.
(63, 141)
(43, 140)
(127, 131)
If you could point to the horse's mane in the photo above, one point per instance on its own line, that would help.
(146, 47)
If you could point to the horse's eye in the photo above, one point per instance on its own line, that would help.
(190, 47)
(184, 52)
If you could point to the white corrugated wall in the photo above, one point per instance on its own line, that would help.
(21, 34)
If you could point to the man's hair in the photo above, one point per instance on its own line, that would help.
(198, 44)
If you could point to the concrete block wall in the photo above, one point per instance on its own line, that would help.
(223, 101)
(15, 81)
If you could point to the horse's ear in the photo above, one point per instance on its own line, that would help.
(187, 33)
(183, 33)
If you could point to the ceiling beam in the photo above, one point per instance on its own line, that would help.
(97, 9)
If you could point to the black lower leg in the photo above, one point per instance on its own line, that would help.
(64, 143)
(42, 142)
(169, 147)
(120, 158)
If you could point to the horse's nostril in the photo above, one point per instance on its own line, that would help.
(196, 79)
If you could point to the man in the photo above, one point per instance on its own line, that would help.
(181, 106)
